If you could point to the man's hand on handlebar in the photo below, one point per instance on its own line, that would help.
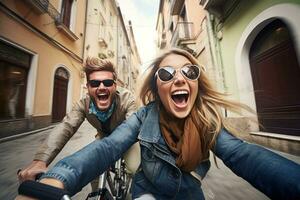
(29, 173)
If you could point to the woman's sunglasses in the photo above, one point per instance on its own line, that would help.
(106, 83)
(190, 72)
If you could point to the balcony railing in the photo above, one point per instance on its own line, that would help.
(183, 31)
(39, 7)
(43, 6)
(220, 8)
(162, 41)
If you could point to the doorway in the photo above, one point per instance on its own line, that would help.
(276, 79)
(60, 92)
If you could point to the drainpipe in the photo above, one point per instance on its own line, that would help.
(86, 11)
(216, 52)
(215, 49)
(211, 40)
(117, 52)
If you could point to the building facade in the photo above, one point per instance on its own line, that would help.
(259, 46)
(41, 45)
(107, 37)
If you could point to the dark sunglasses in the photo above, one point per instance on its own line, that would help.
(106, 83)
(167, 73)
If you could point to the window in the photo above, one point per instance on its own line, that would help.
(14, 67)
(103, 4)
(67, 20)
(110, 38)
(110, 18)
(183, 15)
(66, 11)
(171, 27)
(102, 31)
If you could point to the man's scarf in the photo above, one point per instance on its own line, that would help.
(101, 115)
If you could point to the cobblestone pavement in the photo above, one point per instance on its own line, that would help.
(18, 153)
(219, 184)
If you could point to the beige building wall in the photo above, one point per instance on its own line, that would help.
(107, 37)
(50, 47)
(101, 30)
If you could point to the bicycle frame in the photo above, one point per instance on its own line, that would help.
(118, 181)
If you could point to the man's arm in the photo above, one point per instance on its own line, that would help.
(80, 168)
(56, 140)
(128, 101)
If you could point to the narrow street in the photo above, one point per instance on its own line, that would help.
(219, 184)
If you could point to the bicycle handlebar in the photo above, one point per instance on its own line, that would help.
(42, 191)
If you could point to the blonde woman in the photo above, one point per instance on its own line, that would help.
(180, 122)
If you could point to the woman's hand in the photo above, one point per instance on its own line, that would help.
(52, 182)
(21, 197)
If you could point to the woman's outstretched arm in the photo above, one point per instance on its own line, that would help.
(272, 174)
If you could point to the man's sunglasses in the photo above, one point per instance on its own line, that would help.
(167, 73)
(106, 83)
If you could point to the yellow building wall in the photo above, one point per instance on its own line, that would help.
(46, 24)
(49, 56)
(48, 61)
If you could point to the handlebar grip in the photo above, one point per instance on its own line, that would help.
(42, 191)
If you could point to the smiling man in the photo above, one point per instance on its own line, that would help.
(105, 107)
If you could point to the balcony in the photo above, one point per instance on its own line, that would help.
(39, 6)
(162, 41)
(176, 6)
(102, 42)
(110, 53)
(219, 8)
(43, 6)
(183, 31)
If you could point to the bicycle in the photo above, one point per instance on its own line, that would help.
(117, 178)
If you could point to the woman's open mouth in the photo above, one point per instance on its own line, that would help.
(180, 98)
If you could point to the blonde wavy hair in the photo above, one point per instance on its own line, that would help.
(207, 116)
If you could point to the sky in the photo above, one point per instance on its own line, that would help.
(143, 16)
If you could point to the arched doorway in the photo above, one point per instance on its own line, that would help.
(60, 91)
(276, 79)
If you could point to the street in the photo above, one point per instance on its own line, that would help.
(219, 184)
(18, 153)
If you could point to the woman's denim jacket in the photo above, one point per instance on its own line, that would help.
(272, 174)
